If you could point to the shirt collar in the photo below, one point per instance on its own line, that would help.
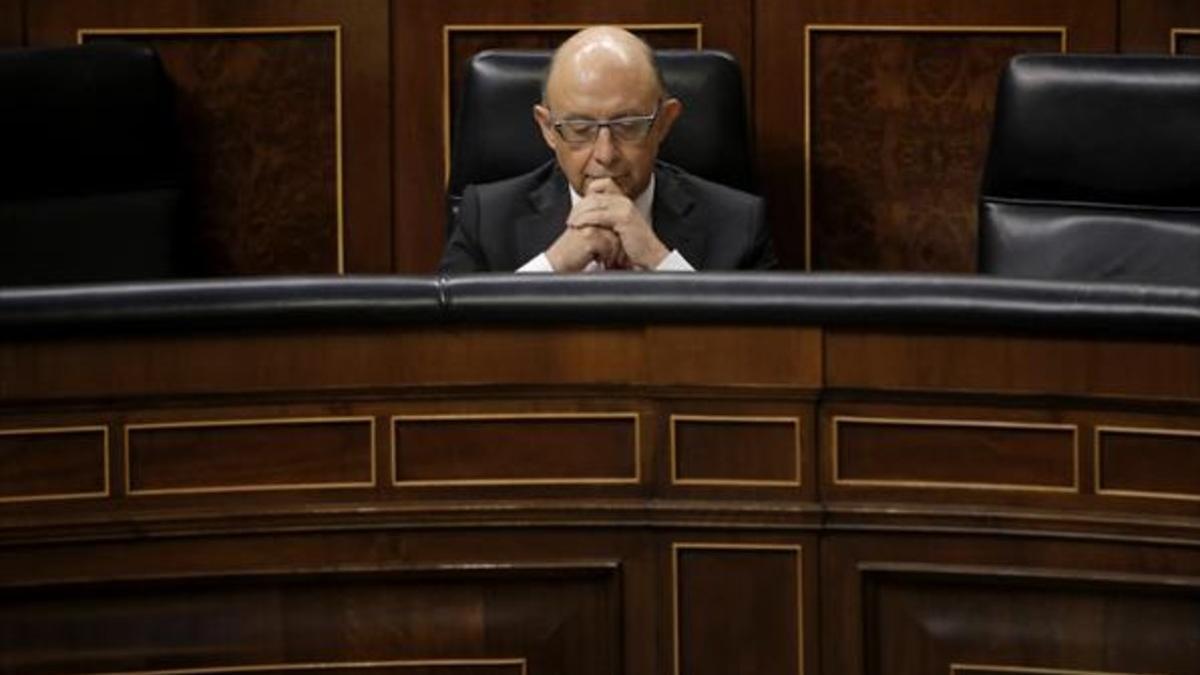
(644, 202)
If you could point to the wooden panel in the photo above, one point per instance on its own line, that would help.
(269, 105)
(949, 453)
(1163, 463)
(1001, 621)
(779, 355)
(240, 455)
(906, 110)
(921, 603)
(517, 449)
(1013, 364)
(738, 609)
(735, 451)
(420, 100)
(1186, 42)
(12, 23)
(449, 619)
(53, 463)
(899, 125)
(977, 669)
(1147, 26)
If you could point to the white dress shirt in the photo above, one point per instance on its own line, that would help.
(674, 262)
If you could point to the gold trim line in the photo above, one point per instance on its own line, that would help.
(677, 547)
(63, 496)
(749, 419)
(835, 452)
(271, 487)
(318, 666)
(637, 449)
(1137, 431)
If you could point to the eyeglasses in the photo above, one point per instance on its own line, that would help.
(632, 129)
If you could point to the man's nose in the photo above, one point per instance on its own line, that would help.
(604, 150)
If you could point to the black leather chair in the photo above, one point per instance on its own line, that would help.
(1094, 170)
(496, 136)
(90, 186)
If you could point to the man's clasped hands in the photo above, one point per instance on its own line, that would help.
(606, 227)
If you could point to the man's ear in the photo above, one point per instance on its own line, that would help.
(671, 109)
(541, 115)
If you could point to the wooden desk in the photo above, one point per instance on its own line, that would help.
(599, 499)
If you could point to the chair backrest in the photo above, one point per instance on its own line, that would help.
(496, 136)
(1094, 170)
(89, 182)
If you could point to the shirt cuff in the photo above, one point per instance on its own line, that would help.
(540, 263)
(674, 262)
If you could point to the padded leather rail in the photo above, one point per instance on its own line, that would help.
(763, 298)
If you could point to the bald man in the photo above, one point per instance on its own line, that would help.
(606, 203)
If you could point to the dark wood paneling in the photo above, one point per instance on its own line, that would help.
(899, 128)
(738, 610)
(53, 463)
(907, 111)
(249, 455)
(748, 354)
(917, 604)
(1012, 364)
(1149, 462)
(558, 448)
(1146, 26)
(928, 453)
(988, 621)
(418, 49)
(258, 116)
(736, 451)
(12, 23)
(502, 619)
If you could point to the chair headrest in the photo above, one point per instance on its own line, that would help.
(77, 119)
(1108, 129)
(496, 136)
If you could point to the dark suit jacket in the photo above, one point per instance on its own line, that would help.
(505, 224)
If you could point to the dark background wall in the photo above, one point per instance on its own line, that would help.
(318, 130)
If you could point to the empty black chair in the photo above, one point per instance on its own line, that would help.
(1094, 170)
(89, 180)
(496, 136)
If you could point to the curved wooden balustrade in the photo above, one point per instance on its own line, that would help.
(293, 486)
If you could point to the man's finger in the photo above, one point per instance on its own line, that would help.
(601, 186)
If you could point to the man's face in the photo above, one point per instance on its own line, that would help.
(603, 90)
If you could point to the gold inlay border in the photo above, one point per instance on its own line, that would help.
(265, 422)
(475, 417)
(448, 29)
(734, 419)
(678, 547)
(339, 143)
(319, 666)
(1177, 33)
(1100, 430)
(963, 668)
(49, 431)
(835, 452)
(810, 29)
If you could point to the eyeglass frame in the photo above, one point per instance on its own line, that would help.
(597, 125)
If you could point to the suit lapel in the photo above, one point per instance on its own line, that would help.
(675, 222)
(537, 230)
